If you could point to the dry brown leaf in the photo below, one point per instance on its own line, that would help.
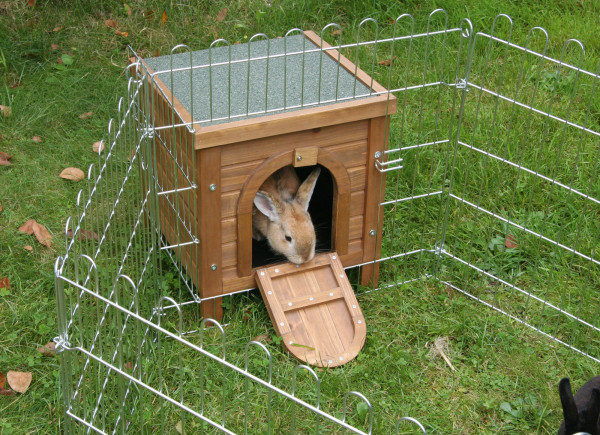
(163, 19)
(0, 208)
(74, 174)
(27, 227)
(86, 115)
(37, 139)
(149, 15)
(336, 32)
(4, 155)
(511, 241)
(4, 162)
(387, 62)
(15, 85)
(5, 111)
(57, 29)
(28, 247)
(3, 391)
(4, 282)
(128, 365)
(110, 23)
(98, 146)
(31, 3)
(262, 337)
(123, 34)
(59, 60)
(221, 15)
(40, 232)
(54, 47)
(83, 234)
(127, 9)
(49, 349)
(19, 381)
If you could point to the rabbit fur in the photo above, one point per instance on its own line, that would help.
(582, 411)
(280, 214)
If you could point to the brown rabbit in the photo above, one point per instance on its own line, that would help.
(582, 411)
(281, 214)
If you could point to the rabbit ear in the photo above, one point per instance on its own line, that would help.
(568, 403)
(265, 204)
(307, 188)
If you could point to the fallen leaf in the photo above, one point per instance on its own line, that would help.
(37, 139)
(57, 28)
(128, 365)
(83, 234)
(40, 232)
(54, 47)
(0, 208)
(3, 391)
(4, 155)
(28, 247)
(74, 174)
(98, 146)
(4, 161)
(336, 32)
(511, 241)
(66, 59)
(157, 52)
(59, 60)
(123, 34)
(5, 111)
(15, 85)
(128, 10)
(387, 62)
(4, 282)
(19, 381)
(31, 3)
(110, 23)
(221, 15)
(86, 115)
(179, 427)
(163, 19)
(262, 337)
(149, 15)
(49, 349)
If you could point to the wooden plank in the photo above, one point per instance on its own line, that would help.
(302, 301)
(356, 227)
(355, 253)
(357, 203)
(229, 203)
(288, 122)
(209, 203)
(228, 230)
(270, 297)
(373, 212)
(306, 156)
(263, 148)
(350, 154)
(234, 176)
(358, 179)
(229, 254)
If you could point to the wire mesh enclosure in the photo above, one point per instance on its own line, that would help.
(490, 165)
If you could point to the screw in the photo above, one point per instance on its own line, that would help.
(212, 187)
(213, 267)
(377, 154)
(372, 233)
(299, 158)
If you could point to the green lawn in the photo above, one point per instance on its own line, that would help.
(506, 375)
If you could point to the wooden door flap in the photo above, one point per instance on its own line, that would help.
(314, 309)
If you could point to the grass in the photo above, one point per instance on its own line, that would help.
(506, 374)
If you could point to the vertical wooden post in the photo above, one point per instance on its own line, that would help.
(208, 174)
(373, 222)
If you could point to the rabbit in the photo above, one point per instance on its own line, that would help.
(280, 214)
(581, 412)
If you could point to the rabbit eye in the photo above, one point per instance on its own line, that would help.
(288, 238)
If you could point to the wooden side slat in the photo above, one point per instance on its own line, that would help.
(350, 154)
(356, 227)
(357, 203)
(302, 301)
(264, 148)
(228, 230)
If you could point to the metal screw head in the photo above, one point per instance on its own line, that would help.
(299, 158)
(213, 267)
(212, 187)
(377, 154)
(372, 233)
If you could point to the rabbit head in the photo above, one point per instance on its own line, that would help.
(582, 411)
(282, 216)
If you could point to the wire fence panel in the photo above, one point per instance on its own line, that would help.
(492, 190)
